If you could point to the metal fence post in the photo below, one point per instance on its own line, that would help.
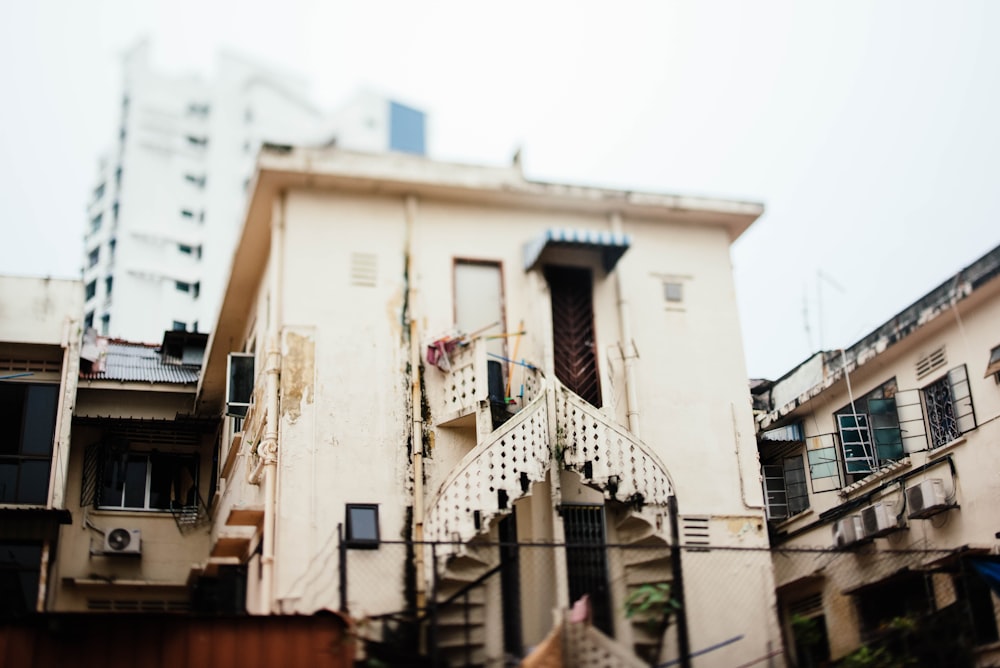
(432, 604)
(677, 588)
(342, 549)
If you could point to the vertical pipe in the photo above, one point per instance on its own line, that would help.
(677, 588)
(629, 352)
(268, 448)
(416, 418)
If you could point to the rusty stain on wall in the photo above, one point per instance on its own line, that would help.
(297, 373)
(394, 312)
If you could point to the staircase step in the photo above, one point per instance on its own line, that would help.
(453, 637)
(652, 572)
(646, 555)
(456, 615)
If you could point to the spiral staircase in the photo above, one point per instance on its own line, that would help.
(553, 424)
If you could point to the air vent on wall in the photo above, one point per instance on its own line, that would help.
(694, 530)
(364, 269)
(931, 361)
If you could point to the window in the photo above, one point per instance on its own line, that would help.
(185, 249)
(187, 213)
(869, 430)
(198, 109)
(239, 383)
(20, 565)
(199, 142)
(108, 284)
(88, 320)
(199, 181)
(785, 487)
(182, 286)
(95, 223)
(948, 402)
(105, 324)
(93, 257)
(673, 292)
(90, 291)
(27, 427)
(99, 192)
(179, 326)
(148, 480)
(993, 366)
(362, 525)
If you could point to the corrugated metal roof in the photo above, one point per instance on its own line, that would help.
(140, 362)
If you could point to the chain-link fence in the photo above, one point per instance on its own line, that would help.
(492, 603)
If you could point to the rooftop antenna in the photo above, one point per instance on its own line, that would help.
(822, 276)
(805, 319)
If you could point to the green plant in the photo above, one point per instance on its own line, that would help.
(806, 630)
(653, 607)
(654, 604)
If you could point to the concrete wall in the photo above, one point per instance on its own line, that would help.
(36, 310)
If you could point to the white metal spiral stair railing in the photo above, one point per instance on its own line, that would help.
(509, 459)
(607, 455)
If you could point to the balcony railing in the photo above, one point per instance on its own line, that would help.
(607, 455)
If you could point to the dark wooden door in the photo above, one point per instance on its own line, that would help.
(573, 340)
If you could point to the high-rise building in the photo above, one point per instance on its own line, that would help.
(169, 199)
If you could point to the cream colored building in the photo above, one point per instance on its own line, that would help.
(140, 476)
(882, 460)
(567, 321)
(39, 358)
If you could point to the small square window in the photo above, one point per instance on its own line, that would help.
(362, 525)
(673, 292)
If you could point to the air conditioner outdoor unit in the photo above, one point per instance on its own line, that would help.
(123, 541)
(880, 519)
(926, 499)
(847, 531)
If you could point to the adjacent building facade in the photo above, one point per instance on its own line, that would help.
(39, 358)
(461, 361)
(880, 465)
(168, 202)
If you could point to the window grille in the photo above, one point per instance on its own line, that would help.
(949, 407)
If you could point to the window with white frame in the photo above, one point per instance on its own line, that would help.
(154, 480)
(785, 488)
(870, 435)
(948, 405)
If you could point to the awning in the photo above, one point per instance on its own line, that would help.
(610, 246)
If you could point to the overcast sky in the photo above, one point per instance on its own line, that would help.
(870, 131)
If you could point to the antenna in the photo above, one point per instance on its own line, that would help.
(820, 277)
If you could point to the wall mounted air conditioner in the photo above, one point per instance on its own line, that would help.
(926, 499)
(847, 531)
(123, 541)
(880, 519)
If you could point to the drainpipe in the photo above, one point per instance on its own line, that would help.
(416, 419)
(267, 450)
(68, 379)
(629, 352)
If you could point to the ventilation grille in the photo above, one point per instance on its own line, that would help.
(808, 606)
(135, 605)
(694, 532)
(364, 269)
(36, 366)
(931, 361)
